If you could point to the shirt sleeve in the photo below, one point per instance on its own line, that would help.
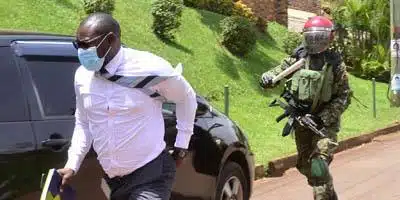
(179, 91)
(285, 63)
(81, 139)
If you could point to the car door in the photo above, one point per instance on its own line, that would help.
(192, 181)
(49, 68)
(17, 142)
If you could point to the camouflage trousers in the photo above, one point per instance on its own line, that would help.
(310, 145)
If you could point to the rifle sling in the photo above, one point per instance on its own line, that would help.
(318, 92)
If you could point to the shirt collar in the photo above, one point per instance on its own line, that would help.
(114, 63)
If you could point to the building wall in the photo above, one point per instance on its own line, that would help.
(271, 10)
(277, 10)
(313, 6)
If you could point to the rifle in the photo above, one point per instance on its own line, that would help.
(295, 112)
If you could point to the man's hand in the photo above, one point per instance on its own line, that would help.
(66, 174)
(266, 81)
(178, 154)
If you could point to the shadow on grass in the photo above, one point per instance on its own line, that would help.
(180, 47)
(176, 45)
(269, 39)
(211, 20)
(258, 63)
(254, 64)
(250, 64)
(66, 4)
(227, 65)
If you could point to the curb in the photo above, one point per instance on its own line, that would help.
(279, 166)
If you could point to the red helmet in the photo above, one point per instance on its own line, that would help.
(317, 32)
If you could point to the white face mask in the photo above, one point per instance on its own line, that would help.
(89, 58)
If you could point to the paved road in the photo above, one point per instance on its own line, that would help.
(368, 172)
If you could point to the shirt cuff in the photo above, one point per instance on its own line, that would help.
(73, 163)
(183, 139)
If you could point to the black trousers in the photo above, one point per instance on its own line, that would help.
(153, 181)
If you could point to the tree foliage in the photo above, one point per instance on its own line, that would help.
(363, 34)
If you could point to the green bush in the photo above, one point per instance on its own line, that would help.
(224, 7)
(375, 69)
(195, 3)
(379, 53)
(238, 36)
(166, 17)
(92, 6)
(241, 9)
(291, 41)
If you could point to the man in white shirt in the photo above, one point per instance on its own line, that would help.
(119, 112)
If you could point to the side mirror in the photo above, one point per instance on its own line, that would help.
(202, 109)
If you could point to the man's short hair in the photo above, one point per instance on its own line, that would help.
(103, 22)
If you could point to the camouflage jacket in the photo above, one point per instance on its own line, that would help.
(330, 112)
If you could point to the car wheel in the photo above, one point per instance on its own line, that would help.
(232, 184)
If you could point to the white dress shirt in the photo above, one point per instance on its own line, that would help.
(124, 125)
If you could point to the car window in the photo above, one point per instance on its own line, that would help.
(169, 107)
(53, 78)
(12, 101)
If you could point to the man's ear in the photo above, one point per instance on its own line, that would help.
(112, 38)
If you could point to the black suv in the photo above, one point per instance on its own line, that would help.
(37, 120)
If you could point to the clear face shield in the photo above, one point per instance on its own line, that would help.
(317, 39)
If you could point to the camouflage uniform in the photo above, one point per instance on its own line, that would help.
(309, 144)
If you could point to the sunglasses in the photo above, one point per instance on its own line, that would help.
(85, 44)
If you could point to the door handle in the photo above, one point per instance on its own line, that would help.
(55, 143)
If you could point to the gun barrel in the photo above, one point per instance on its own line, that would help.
(318, 132)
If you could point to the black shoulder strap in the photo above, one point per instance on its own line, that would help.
(142, 83)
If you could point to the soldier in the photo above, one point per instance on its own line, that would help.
(322, 83)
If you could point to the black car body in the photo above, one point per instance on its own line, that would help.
(37, 120)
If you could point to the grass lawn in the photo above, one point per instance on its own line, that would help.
(207, 66)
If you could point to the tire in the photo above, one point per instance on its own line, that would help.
(232, 175)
